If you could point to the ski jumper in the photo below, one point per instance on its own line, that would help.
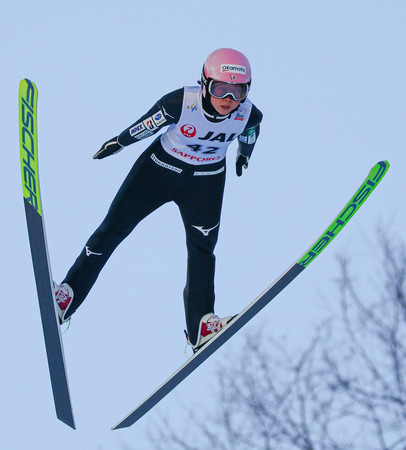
(186, 165)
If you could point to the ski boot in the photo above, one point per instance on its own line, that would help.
(210, 324)
(63, 298)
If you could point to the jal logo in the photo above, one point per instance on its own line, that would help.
(188, 130)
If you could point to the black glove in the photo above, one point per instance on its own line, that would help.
(110, 147)
(242, 161)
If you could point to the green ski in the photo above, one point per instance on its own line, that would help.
(28, 95)
(367, 187)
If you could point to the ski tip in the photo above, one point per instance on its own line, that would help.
(383, 164)
(24, 81)
(377, 172)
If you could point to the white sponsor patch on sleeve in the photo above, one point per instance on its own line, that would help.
(137, 129)
(159, 118)
(252, 138)
(149, 124)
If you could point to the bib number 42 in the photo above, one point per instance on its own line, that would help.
(199, 148)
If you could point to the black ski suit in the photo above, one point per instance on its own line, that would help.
(156, 178)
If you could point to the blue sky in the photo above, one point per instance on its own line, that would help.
(329, 77)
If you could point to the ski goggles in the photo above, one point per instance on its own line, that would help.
(220, 89)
